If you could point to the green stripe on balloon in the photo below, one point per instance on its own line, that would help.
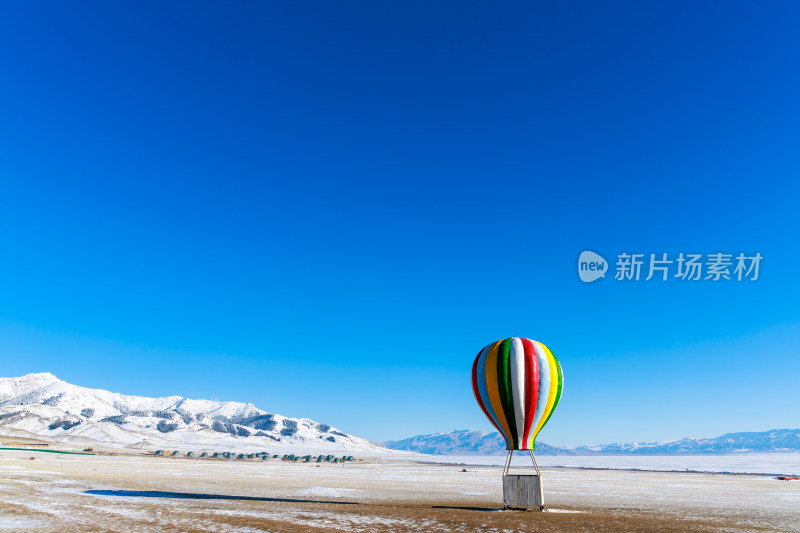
(504, 382)
(560, 378)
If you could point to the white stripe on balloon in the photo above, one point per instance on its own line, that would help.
(544, 387)
(516, 359)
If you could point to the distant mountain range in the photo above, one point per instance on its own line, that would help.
(469, 442)
(45, 407)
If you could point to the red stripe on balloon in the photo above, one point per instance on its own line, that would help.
(476, 391)
(531, 387)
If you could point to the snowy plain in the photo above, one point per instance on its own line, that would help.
(148, 493)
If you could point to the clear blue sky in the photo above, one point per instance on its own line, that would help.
(328, 208)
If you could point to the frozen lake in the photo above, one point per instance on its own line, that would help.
(745, 463)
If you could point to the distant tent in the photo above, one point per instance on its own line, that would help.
(241, 456)
(159, 452)
(204, 454)
(176, 452)
(265, 457)
(319, 459)
(190, 454)
(216, 454)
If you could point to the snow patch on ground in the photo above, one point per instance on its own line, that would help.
(349, 522)
(17, 525)
(327, 492)
(472, 492)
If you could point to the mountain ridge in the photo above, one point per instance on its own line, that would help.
(40, 404)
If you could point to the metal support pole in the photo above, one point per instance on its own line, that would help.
(533, 458)
(508, 462)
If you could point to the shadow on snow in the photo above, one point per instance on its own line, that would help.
(198, 496)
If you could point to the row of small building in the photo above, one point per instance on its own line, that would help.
(264, 456)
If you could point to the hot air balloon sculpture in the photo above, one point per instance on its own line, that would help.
(518, 383)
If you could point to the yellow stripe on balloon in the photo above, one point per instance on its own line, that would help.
(493, 388)
(551, 396)
(534, 429)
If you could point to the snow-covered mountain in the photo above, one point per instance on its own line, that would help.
(464, 442)
(773, 440)
(43, 406)
(467, 442)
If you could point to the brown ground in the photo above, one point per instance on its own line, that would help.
(138, 493)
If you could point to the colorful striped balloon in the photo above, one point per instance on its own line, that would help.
(518, 384)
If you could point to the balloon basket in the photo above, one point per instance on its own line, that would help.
(522, 491)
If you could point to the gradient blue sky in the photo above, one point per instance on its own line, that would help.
(328, 208)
